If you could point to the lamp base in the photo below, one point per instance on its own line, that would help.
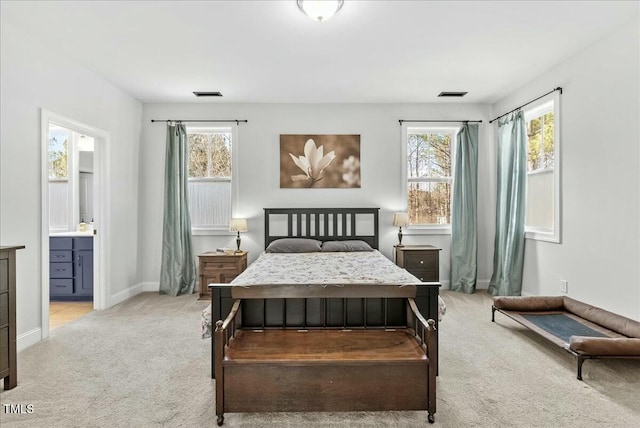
(238, 243)
(400, 237)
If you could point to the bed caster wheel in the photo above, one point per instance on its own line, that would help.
(220, 420)
(431, 418)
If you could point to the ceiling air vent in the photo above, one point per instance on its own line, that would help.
(207, 94)
(452, 94)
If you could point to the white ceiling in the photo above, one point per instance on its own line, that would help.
(268, 51)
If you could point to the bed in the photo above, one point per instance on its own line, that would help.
(322, 224)
(350, 288)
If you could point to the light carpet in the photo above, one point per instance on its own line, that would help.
(143, 364)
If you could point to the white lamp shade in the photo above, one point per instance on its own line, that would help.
(238, 225)
(320, 10)
(400, 219)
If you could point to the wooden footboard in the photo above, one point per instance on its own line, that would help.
(350, 311)
(327, 369)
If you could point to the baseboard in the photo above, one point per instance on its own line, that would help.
(28, 339)
(151, 286)
(130, 292)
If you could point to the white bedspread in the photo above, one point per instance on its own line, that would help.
(366, 267)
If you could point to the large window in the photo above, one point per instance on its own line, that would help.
(429, 175)
(542, 206)
(210, 177)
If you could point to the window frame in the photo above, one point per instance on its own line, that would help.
(435, 127)
(72, 179)
(233, 129)
(533, 110)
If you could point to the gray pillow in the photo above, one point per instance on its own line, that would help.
(333, 246)
(294, 245)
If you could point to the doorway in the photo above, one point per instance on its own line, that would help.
(73, 194)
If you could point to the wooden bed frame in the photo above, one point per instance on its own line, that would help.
(325, 369)
(324, 224)
(391, 348)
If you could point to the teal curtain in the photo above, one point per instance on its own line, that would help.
(464, 211)
(178, 269)
(508, 255)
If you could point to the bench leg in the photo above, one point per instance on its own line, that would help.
(493, 313)
(431, 418)
(580, 362)
(220, 420)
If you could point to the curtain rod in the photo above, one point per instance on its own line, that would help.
(527, 103)
(237, 121)
(440, 121)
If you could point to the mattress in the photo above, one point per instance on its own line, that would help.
(321, 268)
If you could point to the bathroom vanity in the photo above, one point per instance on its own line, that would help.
(71, 266)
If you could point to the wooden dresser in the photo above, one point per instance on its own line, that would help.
(8, 352)
(219, 268)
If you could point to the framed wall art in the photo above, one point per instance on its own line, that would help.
(319, 161)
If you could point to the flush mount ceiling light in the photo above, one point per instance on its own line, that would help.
(320, 10)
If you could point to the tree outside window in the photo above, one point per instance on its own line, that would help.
(429, 176)
(58, 153)
(540, 142)
(210, 174)
(540, 128)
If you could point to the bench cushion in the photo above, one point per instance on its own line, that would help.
(625, 326)
(529, 303)
(618, 346)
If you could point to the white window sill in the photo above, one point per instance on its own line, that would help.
(427, 230)
(542, 236)
(202, 231)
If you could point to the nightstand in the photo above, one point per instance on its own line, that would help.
(423, 261)
(219, 268)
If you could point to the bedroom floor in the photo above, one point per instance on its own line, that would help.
(61, 313)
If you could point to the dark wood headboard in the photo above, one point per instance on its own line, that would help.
(323, 224)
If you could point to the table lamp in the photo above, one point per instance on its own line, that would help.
(400, 219)
(238, 225)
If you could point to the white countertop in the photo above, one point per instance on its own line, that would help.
(88, 233)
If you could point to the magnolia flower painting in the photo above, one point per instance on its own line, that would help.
(319, 161)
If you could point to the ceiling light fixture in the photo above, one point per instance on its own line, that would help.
(320, 10)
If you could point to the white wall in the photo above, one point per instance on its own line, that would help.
(259, 170)
(33, 77)
(599, 254)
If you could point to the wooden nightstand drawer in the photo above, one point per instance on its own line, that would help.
(421, 260)
(214, 264)
(425, 275)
